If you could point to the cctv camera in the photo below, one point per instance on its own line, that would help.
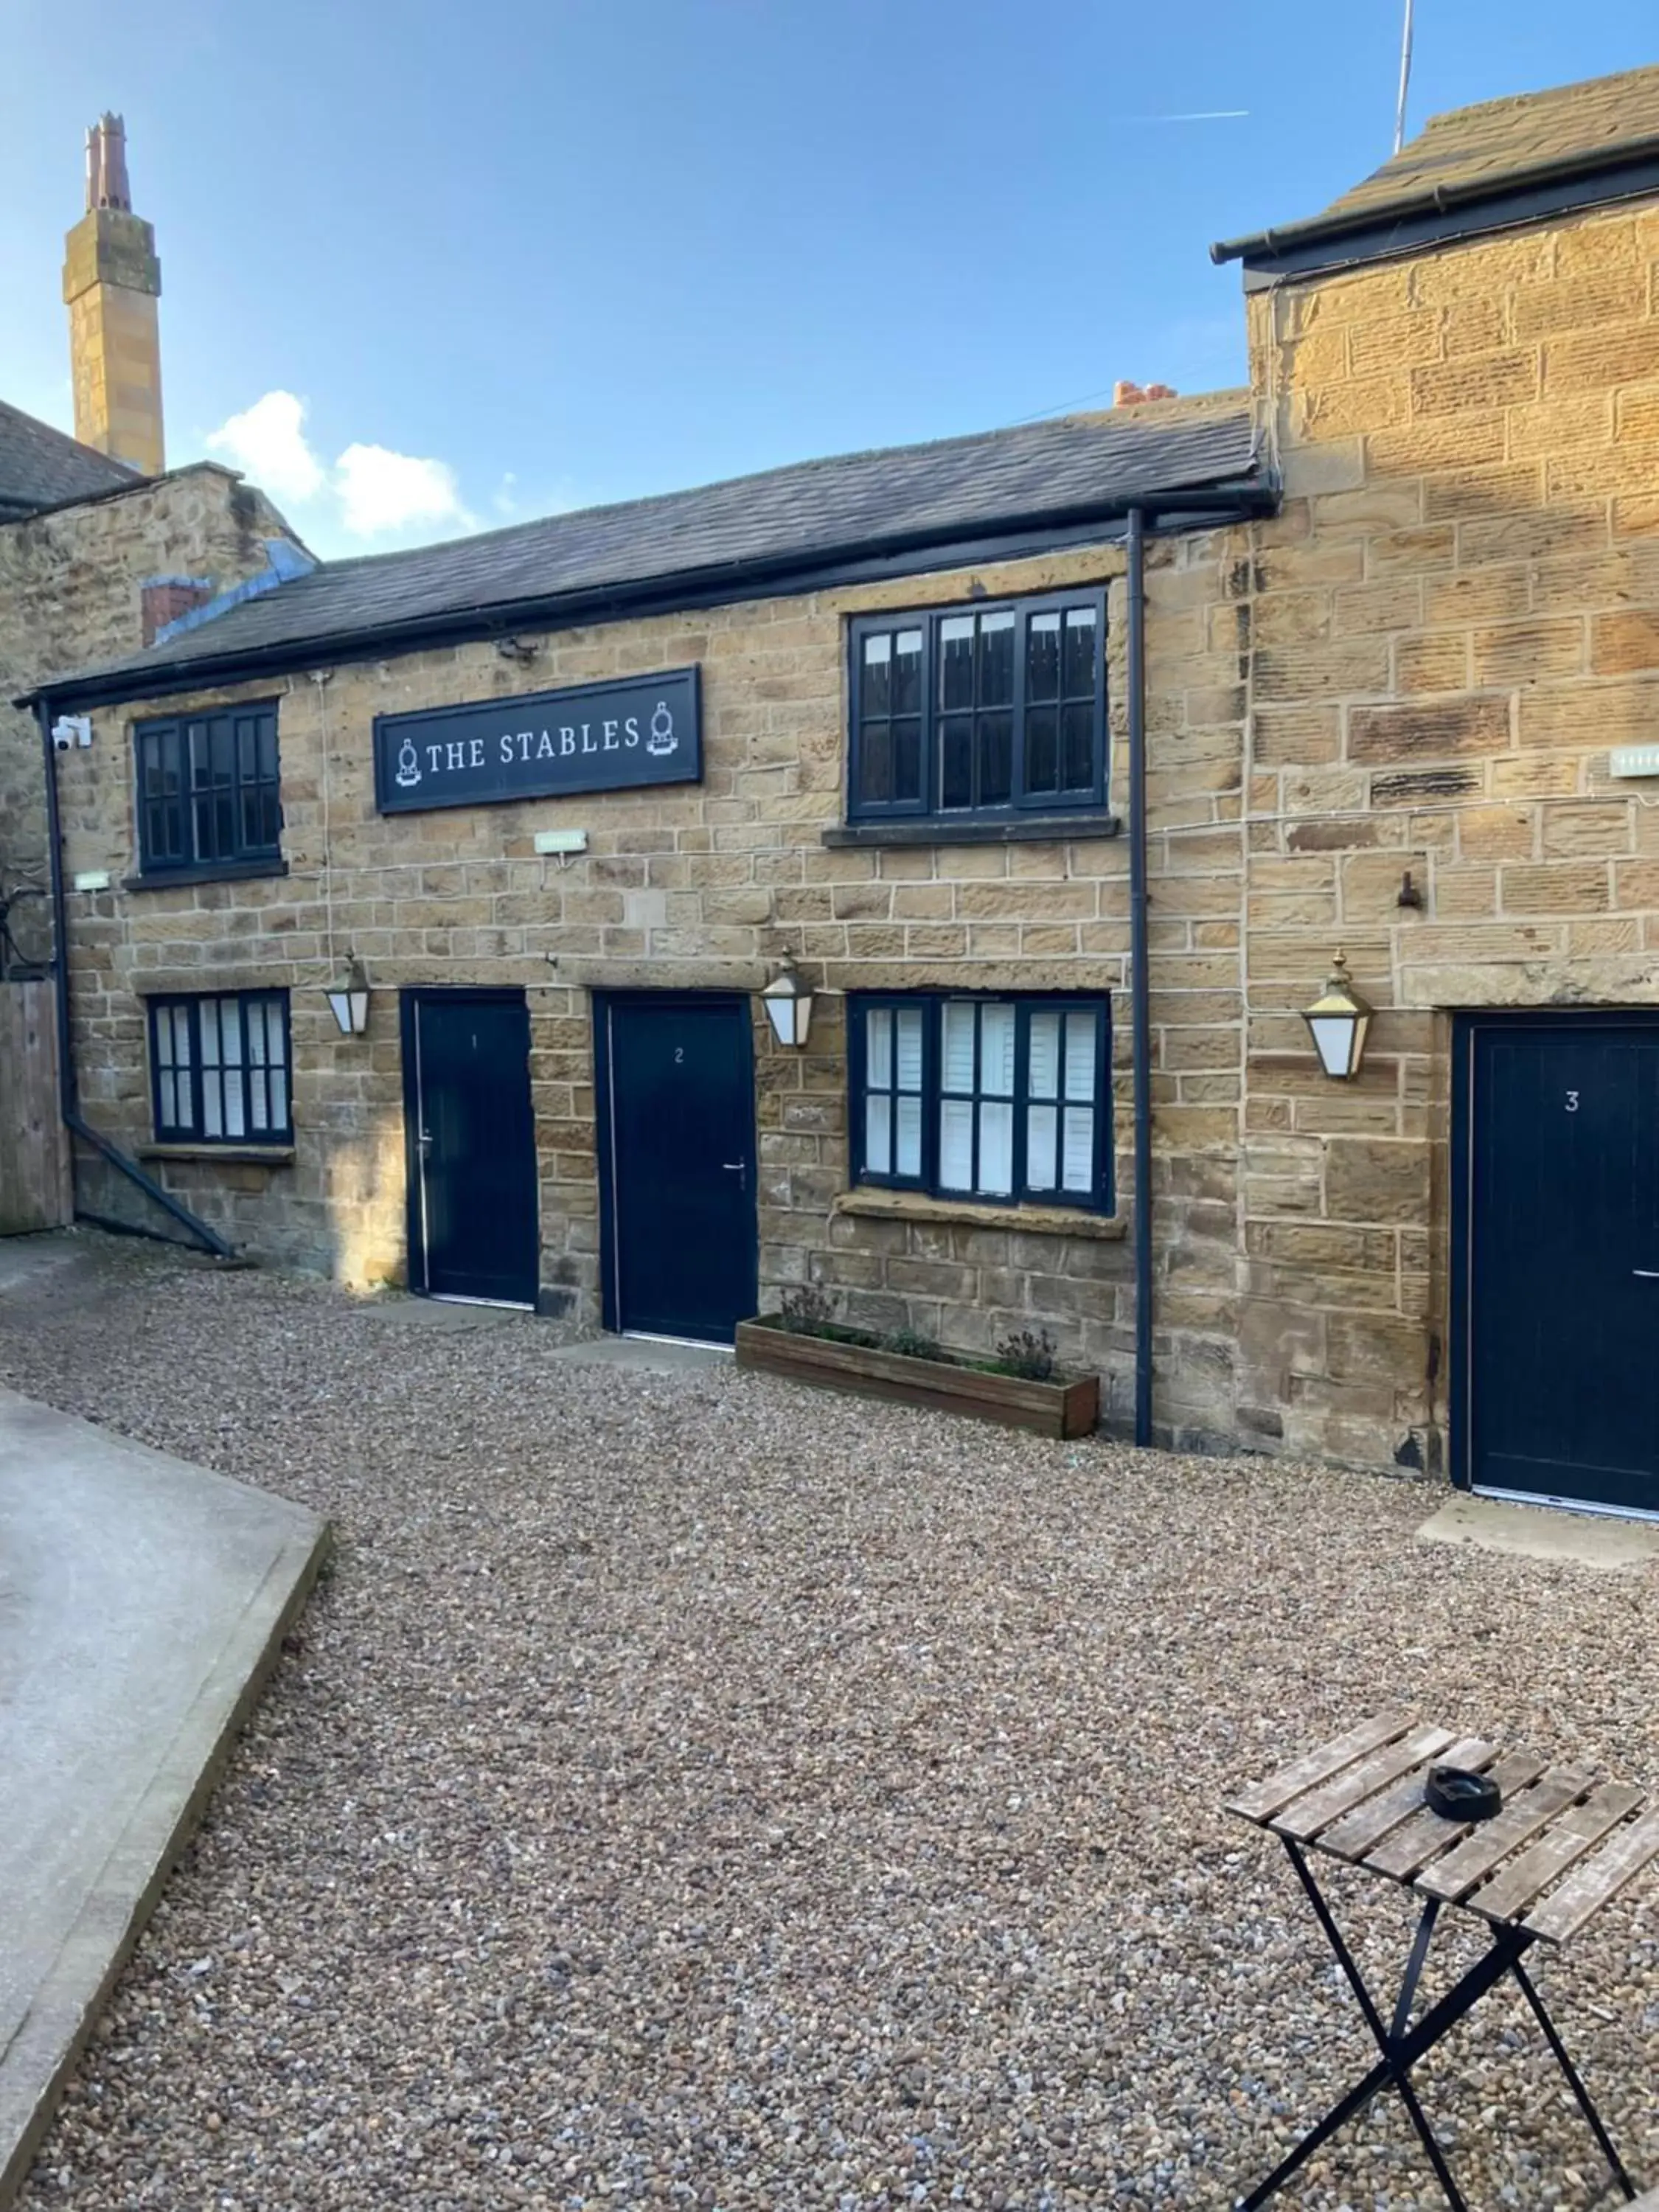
(63, 737)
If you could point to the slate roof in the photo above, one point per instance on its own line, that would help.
(1471, 153)
(736, 533)
(41, 467)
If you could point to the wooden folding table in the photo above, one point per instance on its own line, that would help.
(1563, 1846)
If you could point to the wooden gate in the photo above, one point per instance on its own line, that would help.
(36, 1189)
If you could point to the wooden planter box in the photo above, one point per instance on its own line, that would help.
(1053, 1409)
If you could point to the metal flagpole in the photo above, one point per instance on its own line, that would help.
(1405, 80)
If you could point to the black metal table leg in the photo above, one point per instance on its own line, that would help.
(1339, 2114)
(1387, 2040)
(1401, 2046)
(1580, 2094)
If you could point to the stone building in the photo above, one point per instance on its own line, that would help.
(100, 551)
(1401, 641)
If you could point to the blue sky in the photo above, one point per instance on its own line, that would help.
(438, 263)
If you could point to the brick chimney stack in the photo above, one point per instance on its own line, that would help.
(1132, 395)
(112, 281)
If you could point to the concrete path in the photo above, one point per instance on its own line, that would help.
(1543, 1532)
(647, 1355)
(141, 1600)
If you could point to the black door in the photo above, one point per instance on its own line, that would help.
(472, 1146)
(677, 1108)
(1560, 1258)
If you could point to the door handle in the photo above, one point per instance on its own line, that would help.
(739, 1168)
(423, 1139)
(1647, 1274)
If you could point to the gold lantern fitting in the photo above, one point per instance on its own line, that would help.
(348, 1000)
(787, 999)
(1337, 1023)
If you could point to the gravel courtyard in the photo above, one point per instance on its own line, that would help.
(688, 1790)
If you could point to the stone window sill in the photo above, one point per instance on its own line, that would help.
(230, 1156)
(218, 872)
(1031, 1220)
(1025, 830)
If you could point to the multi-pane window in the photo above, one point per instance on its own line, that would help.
(893, 1066)
(219, 1067)
(984, 1098)
(208, 790)
(981, 711)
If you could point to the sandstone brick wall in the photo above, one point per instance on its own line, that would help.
(69, 596)
(1420, 664)
(1453, 620)
(703, 887)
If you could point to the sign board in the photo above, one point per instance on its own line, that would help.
(591, 737)
(1634, 760)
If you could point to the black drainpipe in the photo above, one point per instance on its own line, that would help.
(68, 1087)
(1139, 999)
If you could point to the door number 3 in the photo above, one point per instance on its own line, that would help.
(1573, 1102)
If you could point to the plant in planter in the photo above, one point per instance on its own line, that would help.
(806, 1310)
(1019, 1387)
(1028, 1353)
(911, 1344)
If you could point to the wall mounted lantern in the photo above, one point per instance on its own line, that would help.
(1337, 1023)
(787, 999)
(348, 1001)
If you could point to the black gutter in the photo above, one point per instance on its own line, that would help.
(1139, 982)
(1439, 199)
(68, 1084)
(1219, 504)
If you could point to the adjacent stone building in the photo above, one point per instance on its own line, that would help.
(562, 802)
(100, 551)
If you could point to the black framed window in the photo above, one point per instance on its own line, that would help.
(220, 1068)
(1004, 1099)
(980, 711)
(207, 789)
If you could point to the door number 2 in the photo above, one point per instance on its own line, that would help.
(679, 1055)
(1573, 1102)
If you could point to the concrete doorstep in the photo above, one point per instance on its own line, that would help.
(1543, 1532)
(142, 1601)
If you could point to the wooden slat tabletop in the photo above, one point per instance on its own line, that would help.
(1361, 1831)
(1305, 1816)
(1455, 1872)
(1425, 1834)
(1529, 1872)
(1562, 1846)
(1263, 1799)
(1596, 1881)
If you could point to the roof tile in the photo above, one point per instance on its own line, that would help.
(854, 506)
(1501, 138)
(41, 467)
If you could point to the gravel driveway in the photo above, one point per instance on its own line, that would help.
(692, 1791)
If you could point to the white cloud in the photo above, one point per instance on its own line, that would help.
(268, 441)
(380, 491)
(370, 492)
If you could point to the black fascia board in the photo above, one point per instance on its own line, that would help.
(1432, 217)
(1210, 506)
(1513, 211)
